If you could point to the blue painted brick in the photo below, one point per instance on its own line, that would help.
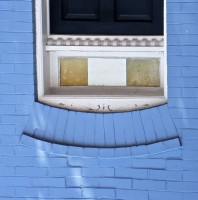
(115, 183)
(7, 89)
(189, 113)
(85, 162)
(190, 144)
(17, 161)
(82, 182)
(189, 92)
(156, 147)
(24, 68)
(64, 172)
(109, 130)
(11, 119)
(149, 163)
(50, 162)
(129, 130)
(190, 176)
(190, 71)
(7, 171)
(174, 164)
(190, 155)
(18, 99)
(118, 162)
(31, 192)
(183, 103)
(192, 40)
(48, 182)
(17, 58)
(89, 129)
(156, 195)
(175, 154)
(16, 37)
(190, 7)
(64, 193)
(174, 92)
(79, 127)
(98, 193)
(174, 39)
(6, 150)
(173, 18)
(149, 185)
(123, 152)
(189, 50)
(189, 134)
(186, 123)
(9, 140)
(69, 130)
(148, 125)
(59, 149)
(23, 5)
(6, 26)
(191, 196)
(182, 186)
(174, 50)
(17, 79)
(189, 18)
(107, 153)
(165, 175)
(131, 173)
(31, 171)
(7, 192)
(15, 181)
(138, 126)
(174, 7)
(7, 129)
(128, 194)
(98, 172)
(7, 109)
(174, 72)
(23, 27)
(51, 122)
(171, 144)
(119, 131)
(184, 165)
(91, 152)
(189, 29)
(6, 48)
(139, 150)
(6, 68)
(25, 151)
(23, 109)
(6, 5)
(75, 151)
(24, 16)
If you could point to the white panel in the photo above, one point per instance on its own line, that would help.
(106, 71)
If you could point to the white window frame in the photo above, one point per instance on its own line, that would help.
(49, 48)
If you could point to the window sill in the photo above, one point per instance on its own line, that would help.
(102, 104)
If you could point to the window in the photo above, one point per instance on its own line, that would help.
(101, 56)
(104, 17)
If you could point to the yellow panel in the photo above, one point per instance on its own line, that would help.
(143, 72)
(73, 72)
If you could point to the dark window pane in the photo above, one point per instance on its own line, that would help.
(106, 17)
(134, 10)
(80, 9)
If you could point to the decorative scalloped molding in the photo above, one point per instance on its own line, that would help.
(128, 41)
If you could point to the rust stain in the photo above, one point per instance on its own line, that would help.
(143, 72)
(73, 72)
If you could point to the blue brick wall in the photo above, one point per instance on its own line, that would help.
(49, 171)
